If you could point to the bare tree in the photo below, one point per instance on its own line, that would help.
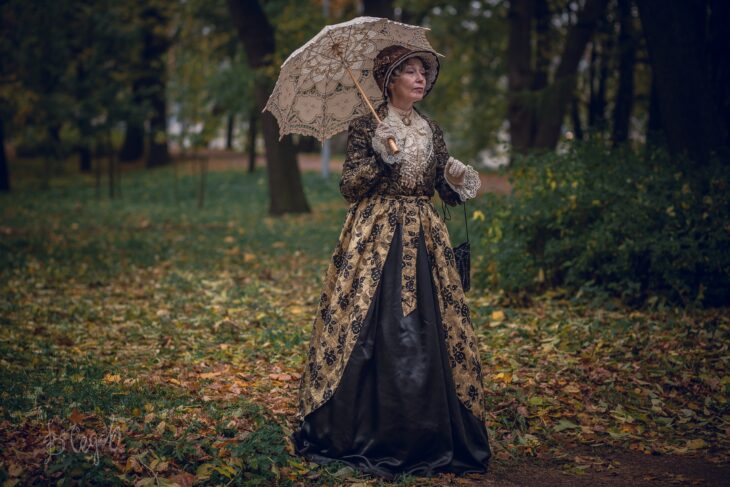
(4, 174)
(627, 58)
(537, 109)
(688, 103)
(286, 194)
(378, 8)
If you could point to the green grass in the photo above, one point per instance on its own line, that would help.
(177, 323)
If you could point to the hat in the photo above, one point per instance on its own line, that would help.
(390, 57)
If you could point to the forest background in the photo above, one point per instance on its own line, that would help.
(161, 250)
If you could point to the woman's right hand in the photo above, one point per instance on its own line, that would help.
(383, 132)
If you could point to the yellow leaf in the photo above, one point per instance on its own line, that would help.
(15, 470)
(112, 378)
(248, 257)
(146, 482)
(506, 378)
(297, 310)
(76, 417)
(478, 215)
(281, 377)
(696, 444)
(497, 315)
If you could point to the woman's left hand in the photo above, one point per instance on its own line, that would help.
(455, 171)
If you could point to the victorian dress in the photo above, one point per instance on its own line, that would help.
(392, 382)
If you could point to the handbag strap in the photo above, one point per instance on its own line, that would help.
(466, 223)
(445, 210)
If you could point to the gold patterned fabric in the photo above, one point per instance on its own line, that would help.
(380, 201)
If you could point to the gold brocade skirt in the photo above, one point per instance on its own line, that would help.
(395, 409)
(353, 277)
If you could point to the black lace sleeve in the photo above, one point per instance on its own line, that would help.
(448, 195)
(362, 169)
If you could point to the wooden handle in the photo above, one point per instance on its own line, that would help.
(393, 147)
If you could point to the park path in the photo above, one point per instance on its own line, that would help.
(221, 160)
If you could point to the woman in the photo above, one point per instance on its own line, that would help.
(393, 380)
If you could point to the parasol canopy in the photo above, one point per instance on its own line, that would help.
(323, 84)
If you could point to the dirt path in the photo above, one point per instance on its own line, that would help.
(228, 160)
(609, 467)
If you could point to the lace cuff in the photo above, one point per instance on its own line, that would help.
(380, 138)
(468, 189)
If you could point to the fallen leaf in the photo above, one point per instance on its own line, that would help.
(112, 378)
(564, 424)
(696, 444)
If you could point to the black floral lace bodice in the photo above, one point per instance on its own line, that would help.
(365, 173)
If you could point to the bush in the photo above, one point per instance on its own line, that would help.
(594, 220)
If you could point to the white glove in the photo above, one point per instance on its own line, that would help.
(462, 178)
(455, 172)
(380, 143)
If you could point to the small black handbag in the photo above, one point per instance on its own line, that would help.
(462, 253)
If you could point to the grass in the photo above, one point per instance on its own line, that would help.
(185, 329)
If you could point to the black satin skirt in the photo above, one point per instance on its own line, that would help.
(395, 410)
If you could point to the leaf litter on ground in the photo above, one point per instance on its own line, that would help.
(185, 332)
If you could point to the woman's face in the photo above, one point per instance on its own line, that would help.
(410, 86)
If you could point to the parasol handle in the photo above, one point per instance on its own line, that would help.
(392, 146)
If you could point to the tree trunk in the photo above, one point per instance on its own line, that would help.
(111, 173)
(606, 55)
(230, 122)
(627, 58)
(578, 36)
(675, 36)
(379, 8)
(285, 181)
(158, 154)
(84, 158)
(601, 52)
(543, 51)
(520, 109)
(592, 85)
(575, 116)
(252, 142)
(308, 144)
(654, 122)
(719, 46)
(4, 173)
(133, 145)
(286, 194)
(154, 19)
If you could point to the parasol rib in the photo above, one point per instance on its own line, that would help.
(310, 77)
(391, 143)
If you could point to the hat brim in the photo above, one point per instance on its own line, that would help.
(431, 74)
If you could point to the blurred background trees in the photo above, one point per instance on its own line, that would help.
(518, 75)
(525, 82)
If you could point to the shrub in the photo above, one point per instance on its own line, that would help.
(636, 226)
